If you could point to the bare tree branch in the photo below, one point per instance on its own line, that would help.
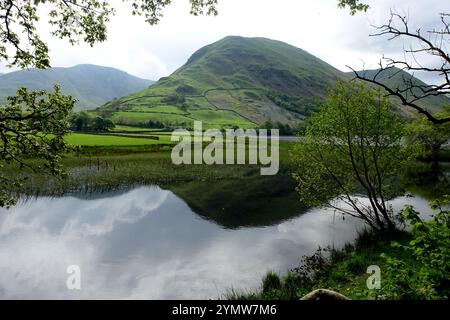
(413, 94)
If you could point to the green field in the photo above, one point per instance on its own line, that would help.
(131, 136)
(81, 139)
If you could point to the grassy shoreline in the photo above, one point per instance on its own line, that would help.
(343, 271)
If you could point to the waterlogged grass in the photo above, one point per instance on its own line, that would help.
(229, 195)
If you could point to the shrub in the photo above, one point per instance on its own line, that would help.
(174, 99)
(430, 247)
(186, 90)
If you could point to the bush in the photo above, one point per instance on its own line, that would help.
(174, 99)
(84, 121)
(186, 90)
(312, 266)
(430, 247)
(301, 105)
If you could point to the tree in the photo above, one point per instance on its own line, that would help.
(32, 125)
(102, 125)
(429, 55)
(352, 146)
(175, 99)
(80, 121)
(429, 137)
(83, 121)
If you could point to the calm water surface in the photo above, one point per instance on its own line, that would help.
(148, 244)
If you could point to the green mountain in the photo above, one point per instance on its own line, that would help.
(397, 78)
(238, 82)
(234, 82)
(91, 85)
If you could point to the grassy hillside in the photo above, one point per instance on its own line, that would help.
(234, 82)
(91, 85)
(396, 78)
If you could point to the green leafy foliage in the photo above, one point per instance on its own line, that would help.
(430, 247)
(302, 105)
(32, 125)
(353, 5)
(352, 145)
(85, 122)
(428, 136)
(175, 99)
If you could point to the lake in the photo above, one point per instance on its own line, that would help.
(148, 243)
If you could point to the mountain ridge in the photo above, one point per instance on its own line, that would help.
(91, 85)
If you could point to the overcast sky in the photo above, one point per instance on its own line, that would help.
(316, 26)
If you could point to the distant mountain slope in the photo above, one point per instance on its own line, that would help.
(395, 78)
(235, 81)
(92, 85)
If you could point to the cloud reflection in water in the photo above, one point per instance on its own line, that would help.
(148, 244)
